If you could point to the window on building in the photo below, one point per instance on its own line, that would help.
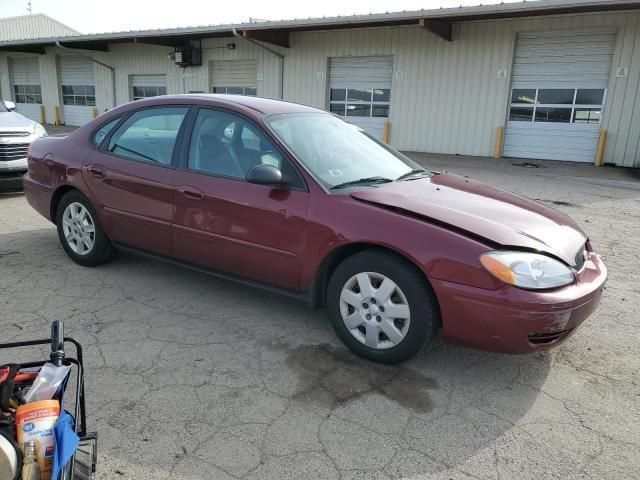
(27, 93)
(82, 95)
(148, 135)
(249, 91)
(141, 92)
(557, 105)
(360, 102)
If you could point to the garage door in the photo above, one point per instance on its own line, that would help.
(25, 84)
(238, 77)
(360, 91)
(558, 93)
(78, 89)
(144, 86)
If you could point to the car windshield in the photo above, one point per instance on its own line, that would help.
(338, 154)
(3, 107)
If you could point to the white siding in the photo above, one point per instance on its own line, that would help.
(440, 89)
(449, 100)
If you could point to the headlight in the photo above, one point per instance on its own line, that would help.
(39, 130)
(527, 270)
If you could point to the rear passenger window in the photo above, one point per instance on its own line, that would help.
(148, 135)
(101, 134)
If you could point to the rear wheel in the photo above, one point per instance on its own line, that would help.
(80, 232)
(381, 306)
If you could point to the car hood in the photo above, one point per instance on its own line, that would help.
(15, 121)
(495, 215)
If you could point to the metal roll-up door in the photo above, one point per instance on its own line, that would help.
(77, 78)
(360, 91)
(144, 86)
(237, 77)
(558, 94)
(26, 87)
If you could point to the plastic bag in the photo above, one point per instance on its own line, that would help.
(47, 383)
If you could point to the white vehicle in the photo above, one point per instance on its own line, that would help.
(16, 133)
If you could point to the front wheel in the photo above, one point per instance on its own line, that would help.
(382, 307)
(80, 232)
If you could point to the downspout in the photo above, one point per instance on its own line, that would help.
(90, 58)
(270, 50)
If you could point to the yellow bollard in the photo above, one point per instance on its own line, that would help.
(43, 117)
(94, 112)
(56, 115)
(602, 141)
(499, 142)
(387, 132)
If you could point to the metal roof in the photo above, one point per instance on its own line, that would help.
(445, 16)
(32, 27)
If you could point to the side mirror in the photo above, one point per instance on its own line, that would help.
(265, 175)
(10, 105)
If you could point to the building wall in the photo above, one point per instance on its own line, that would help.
(449, 98)
(446, 96)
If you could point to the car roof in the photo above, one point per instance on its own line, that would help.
(264, 106)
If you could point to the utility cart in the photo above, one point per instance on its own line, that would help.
(82, 465)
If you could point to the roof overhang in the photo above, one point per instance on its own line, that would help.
(437, 21)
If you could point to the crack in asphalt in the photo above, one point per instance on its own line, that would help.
(190, 377)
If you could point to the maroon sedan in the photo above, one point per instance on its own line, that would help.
(293, 199)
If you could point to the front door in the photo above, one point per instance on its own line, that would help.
(131, 178)
(223, 222)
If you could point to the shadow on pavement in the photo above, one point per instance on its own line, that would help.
(255, 373)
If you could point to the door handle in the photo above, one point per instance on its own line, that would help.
(191, 193)
(97, 171)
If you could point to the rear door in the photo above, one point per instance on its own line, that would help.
(131, 177)
(227, 224)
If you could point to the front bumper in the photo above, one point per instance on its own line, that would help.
(11, 173)
(18, 165)
(513, 320)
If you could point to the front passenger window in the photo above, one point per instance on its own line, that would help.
(149, 135)
(226, 145)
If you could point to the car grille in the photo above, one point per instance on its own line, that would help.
(547, 337)
(14, 134)
(13, 151)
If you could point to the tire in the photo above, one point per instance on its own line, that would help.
(85, 225)
(411, 309)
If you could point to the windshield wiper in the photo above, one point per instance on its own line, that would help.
(362, 181)
(412, 173)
